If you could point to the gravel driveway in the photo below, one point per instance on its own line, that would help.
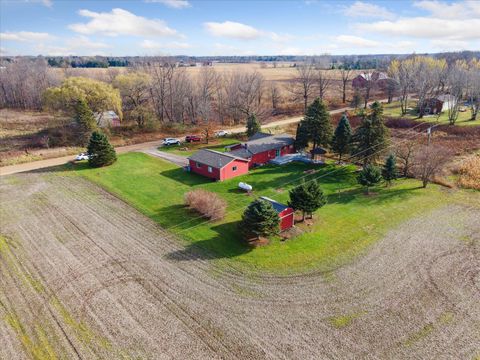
(83, 275)
(176, 159)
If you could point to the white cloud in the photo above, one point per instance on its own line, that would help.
(233, 30)
(363, 9)
(426, 27)
(24, 36)
(356, 41)
(449, 45)
(176, 4)
(47, 3)
(82, 42)
(121, 22)
(456, 10)
(154, 45)
(280, 37)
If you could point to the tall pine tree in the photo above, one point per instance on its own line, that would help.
(371, 137)
(100, 152)
(389, 171)
(342, 138)
(85, 120)
(317, 120)
(301, 138)
(260, 218)
(253, 125)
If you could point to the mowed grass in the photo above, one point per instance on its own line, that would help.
(187, 149)
(342, 229)
(394, 110)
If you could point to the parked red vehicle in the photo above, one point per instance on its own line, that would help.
(192, 138)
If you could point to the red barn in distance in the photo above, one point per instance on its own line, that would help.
(285, 213)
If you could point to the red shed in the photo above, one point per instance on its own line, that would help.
(217, 165)
(285, 213)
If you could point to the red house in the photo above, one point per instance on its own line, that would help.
(216, 165)
(285, 213)
(261, 148)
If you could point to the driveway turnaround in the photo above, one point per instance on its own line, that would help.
(176, 159)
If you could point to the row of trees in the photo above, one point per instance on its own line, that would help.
(365, 144)
(427, 77)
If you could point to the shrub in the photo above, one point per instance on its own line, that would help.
(369, 176)
(206, 203)
(469, 172)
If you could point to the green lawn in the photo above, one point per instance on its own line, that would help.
(394, 110)
(342, 229)
(187, 149)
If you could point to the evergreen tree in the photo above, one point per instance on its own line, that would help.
(371, 137)
(307, 198)
(317, 120)
(260, 218)
(369, 176)
(342, 138)
(85, 120)
(301, 139)
(253, 125)
(389, 171)
(356, 99)
(100, 152)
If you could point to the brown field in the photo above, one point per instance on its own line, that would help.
(83, 275)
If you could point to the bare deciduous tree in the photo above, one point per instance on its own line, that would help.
(405, 151)
(303, 84)
(457, 82)
(345, 72)
(323, 83)
(429, 162)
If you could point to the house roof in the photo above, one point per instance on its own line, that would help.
(276, 205)
(259, 135)
(214, 158)
(261, 142)
(318, 151)
(445, 97)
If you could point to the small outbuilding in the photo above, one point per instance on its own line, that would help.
(285, 213)
(217, 165)
(438, 104)
(318, 154)
(107, 119)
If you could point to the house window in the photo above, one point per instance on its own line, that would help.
(234, 168)
(277, 152)
(210, 169)
(199, 165)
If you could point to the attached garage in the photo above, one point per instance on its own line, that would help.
(217, 165)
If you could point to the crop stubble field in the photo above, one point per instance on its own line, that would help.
(83, 275)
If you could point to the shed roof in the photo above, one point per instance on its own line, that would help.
(214, 158)
(276, 205)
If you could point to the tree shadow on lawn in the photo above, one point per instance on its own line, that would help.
(291, 176)
(225, 244)
(185, 177)
(378, 195)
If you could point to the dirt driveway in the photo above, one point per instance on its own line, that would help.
(83, 275)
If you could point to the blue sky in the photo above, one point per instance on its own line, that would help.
(172, 27)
